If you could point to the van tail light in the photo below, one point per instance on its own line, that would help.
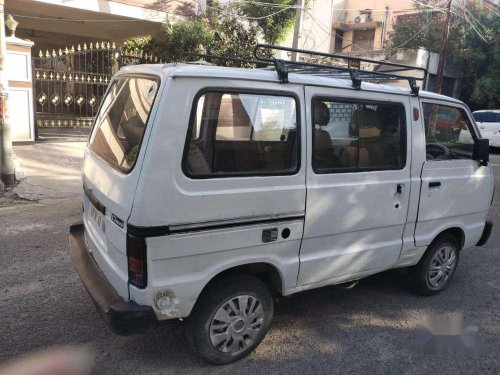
(136, 258)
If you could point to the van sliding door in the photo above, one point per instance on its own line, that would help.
(358, 184)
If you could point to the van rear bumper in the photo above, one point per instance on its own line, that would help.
(486, 233)
(123, 317)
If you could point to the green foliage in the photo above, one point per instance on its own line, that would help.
(477, 60)
(229, 31)
(184, 36)
(418, 30)
(137, 45)
(486, 89)
(232, 36)
(276, 26)
(226, 35)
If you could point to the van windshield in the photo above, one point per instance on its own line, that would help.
(122, 120)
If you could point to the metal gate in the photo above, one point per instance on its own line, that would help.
(69, 84)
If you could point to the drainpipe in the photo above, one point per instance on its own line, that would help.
(384, 27)
(426, 76)
(6, 160)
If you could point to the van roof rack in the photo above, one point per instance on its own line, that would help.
(351, 68)
(187, 56)
(348, 67)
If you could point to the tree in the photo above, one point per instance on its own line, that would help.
(473, 48)
(231, 30)
(232, 36)
(228, 34)
(479, 61)
(274, 21)
(181, 37)
(417, 30)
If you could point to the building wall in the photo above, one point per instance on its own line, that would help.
(316, 31)
(325, 20)
(383, 13)
(54, 24)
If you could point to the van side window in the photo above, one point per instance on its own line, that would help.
(350, 136)
(235, 134)
(448, 132)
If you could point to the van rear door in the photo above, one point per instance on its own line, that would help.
(110, 173)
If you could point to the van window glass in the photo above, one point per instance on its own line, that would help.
(242, 134)
(351, 136)
(122, 119)
(486, 116)
(448, 132)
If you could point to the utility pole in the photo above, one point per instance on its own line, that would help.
(298, 26)
(442, 50)
(6, 160)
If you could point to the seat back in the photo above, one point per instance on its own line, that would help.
(367, 150)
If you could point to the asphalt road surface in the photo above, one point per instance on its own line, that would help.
(370, 329)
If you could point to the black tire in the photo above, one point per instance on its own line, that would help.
(213, 298)
(419, 275)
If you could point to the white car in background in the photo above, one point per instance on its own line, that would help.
(488, 122)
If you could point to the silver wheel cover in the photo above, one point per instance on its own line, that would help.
(442, 265)
(236, 324)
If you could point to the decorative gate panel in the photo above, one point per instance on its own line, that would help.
(69, 85)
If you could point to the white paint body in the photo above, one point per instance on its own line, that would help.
(343, 226)
(490, 129)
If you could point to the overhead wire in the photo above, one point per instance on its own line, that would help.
(472, 21)
(444, 10)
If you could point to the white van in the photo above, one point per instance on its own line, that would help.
(209, 190)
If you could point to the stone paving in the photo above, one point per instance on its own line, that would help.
(51, 171)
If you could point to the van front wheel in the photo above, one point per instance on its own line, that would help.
(230, 318)
(436, 268)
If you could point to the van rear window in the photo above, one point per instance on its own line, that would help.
(122, 120)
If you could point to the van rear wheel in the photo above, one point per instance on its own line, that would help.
(436, 268)
(230, 319)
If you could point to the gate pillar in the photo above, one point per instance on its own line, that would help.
(20, 90)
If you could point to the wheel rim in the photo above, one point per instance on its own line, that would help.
(443, 264)
(236, 324)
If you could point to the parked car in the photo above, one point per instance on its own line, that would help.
(209, 190)
(488, 122)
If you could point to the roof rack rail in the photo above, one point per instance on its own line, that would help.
(352, 69)
(205, 57)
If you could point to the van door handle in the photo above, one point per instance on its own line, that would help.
(399, 188)
(434, 184)
(270, 235)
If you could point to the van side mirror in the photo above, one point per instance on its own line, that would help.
(481, 151)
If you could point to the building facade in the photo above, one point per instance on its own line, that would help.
(53, 24)
(64, 53)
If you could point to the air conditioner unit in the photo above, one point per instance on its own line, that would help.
(362, 18)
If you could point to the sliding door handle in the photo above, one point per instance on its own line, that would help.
(434, 184)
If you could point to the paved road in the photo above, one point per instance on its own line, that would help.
(369, 329)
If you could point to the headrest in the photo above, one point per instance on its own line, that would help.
(365, 123)
(390, 117)
(321, 114)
